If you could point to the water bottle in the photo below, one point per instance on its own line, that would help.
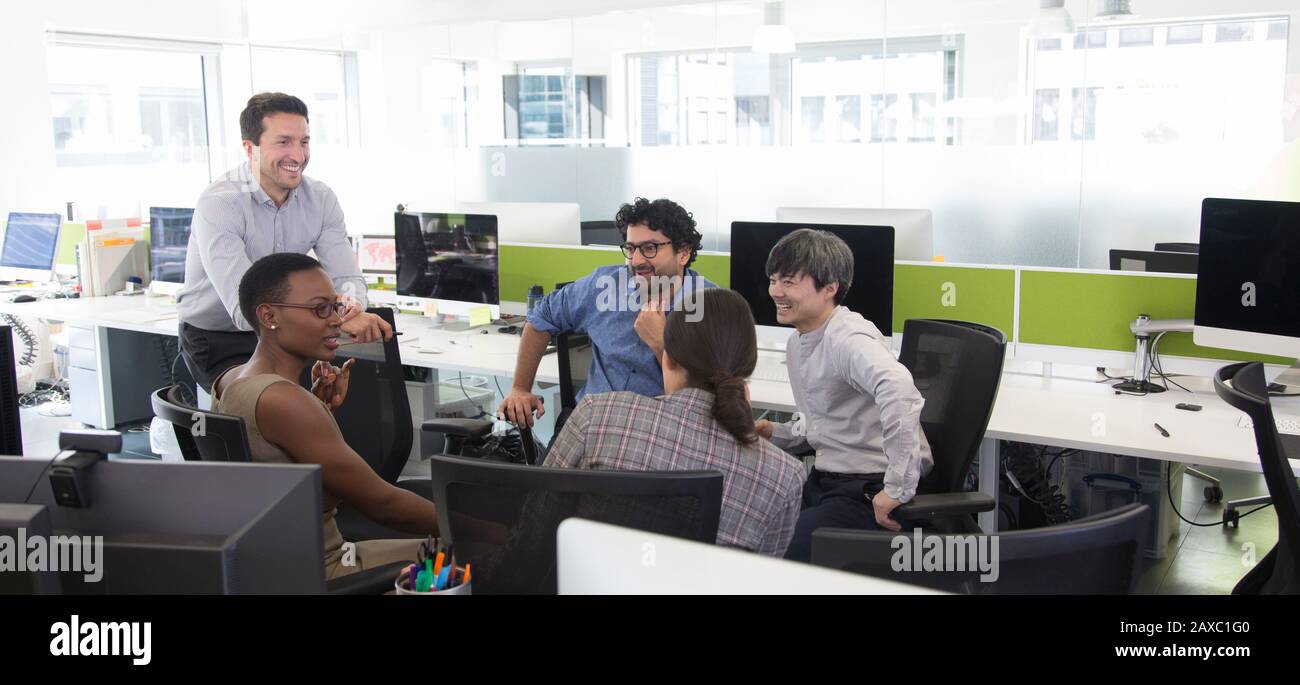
(534, 296)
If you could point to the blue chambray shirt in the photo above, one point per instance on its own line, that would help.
(605, 304)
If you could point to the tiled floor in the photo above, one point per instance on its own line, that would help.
(1210, 560)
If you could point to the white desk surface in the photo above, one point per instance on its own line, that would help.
(1060, 412)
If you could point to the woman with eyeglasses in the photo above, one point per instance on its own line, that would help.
(296, 314)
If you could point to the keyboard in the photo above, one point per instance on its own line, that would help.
(770, 370)
(1286, 425)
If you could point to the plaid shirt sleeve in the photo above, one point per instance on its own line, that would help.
(570, 447)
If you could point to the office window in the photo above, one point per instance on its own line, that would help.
(1137, 37)
(812, 119)
(1277, 30)
(829, 86)
(450, 95)
(1048, 44)
(130, 121)
(1156, 96)
(1090, 40)
(753, 120)
(1083, 122)
(923, 107)
(705, 94)
(546, 103)
(1234, 32)
(848, 118)
(1185, 34)
(1046, 115)
(884, 118)
(324, 81)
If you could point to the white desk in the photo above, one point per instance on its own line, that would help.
(1059, 412)
(1086, 415)
(101, 353)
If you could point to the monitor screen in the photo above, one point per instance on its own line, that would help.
(871, 293)
(31, 241)
(169, 238)
(376, 254)
(447, 257)
(1249, 267)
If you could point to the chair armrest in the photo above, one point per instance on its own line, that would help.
(466, 428)
(944, 505)
(373, 581)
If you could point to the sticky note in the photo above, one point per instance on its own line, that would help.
(480, 316)
(430, 308)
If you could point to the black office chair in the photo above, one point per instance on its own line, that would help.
(1194, 248)
(1243, 387)
(11, 428)
(957, 366)
(1090, 556)
(574, 353)
(202, 435)
(375, 420)
(502, 518)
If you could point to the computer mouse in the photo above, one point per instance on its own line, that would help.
(23, 298)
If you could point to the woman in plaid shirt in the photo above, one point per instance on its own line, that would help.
(703, 421)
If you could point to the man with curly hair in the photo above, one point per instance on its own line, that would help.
(621, 307)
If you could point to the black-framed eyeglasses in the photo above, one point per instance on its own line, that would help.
(647, 250)
(322, 310)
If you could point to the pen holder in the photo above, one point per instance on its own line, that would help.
(403, 586)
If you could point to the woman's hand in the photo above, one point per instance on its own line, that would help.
(330, 383)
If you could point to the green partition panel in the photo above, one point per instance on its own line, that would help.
(71, 235)
(1093, 310)
(984, 295)
(524, 265)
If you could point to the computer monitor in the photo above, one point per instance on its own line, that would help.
(376, 254)
(550, 223)
(30, 243)
(1246, 297)
(913, 228)
(601, 233)
(872, 291)
(26, 522)
(449, 260)
(169, 240)
(1152, 261)
(1178, 247)
(185, 527)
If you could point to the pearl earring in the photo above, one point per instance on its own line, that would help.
(274, 327)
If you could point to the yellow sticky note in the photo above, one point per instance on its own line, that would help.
(430, 308)
(480, 316)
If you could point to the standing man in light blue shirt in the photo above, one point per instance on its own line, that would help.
(621, 308)
(858, 406)
(260, 208)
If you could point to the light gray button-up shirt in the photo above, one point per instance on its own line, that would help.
(863, 413)
(237, 223)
